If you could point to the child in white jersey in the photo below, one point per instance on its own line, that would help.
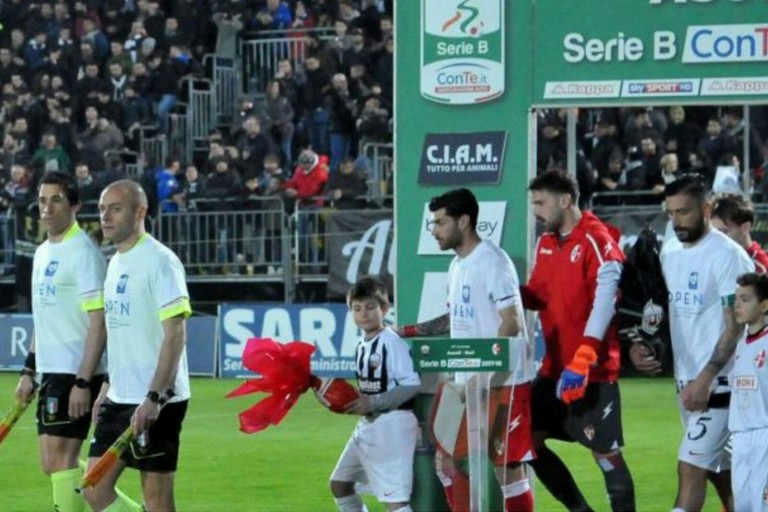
(381, 449)
(748, 415)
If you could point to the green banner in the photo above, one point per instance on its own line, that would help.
(651, 51)
(460, 355)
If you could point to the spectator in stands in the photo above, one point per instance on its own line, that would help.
(194, 21)
(361, 84)
(221, 187)
(108, 108)
(610, 177)
(605, 141)
(641, 122)
(229, 20)
(717, 142)
(669, 169)
(309, 179)
(313, 103)
(651, 159)
(36, 52)
(7, 66)
(163, 85)
(373, 124)
(303, 17)
(118, 81)
(100, 136)
(89, 188)
(168, 192)
(83, 11)
(51, 156)
(342, 111)
(280, 113)
(347, 12)
(275, 15)
(93, 34)
(254, 145)
(384, 68)
(17, 192)
(701, 163)
(11, 153)
(172, 35)
(20, 131)
(290, 81)
(348, 188)
(735, 128)
(356, 53)
(60, 124)
(193, 187)
(154, 19)
(248, 108)
(134, 41)
(681, 136)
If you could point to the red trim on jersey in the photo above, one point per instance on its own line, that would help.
(759, 257)
(565, 278)
(751, 338)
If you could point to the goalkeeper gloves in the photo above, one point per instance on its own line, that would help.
(573, 381)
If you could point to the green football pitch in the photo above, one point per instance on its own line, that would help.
(286, 468)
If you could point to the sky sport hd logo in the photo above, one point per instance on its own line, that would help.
(462, 50)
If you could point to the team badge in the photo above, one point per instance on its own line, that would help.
(589, 432)
(760, 359)
(375, 361)
(51, 268)
(51, 407)
(653, 314)
(499, 445)
(576, 253)
(425, 349)
(465, 294)
(122, 283)
(496, 349)
(693, 281)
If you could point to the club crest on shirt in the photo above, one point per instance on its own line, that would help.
(589, 432)
(576, 253)
(50, 270)
(51, 407)
(122, 283)
(653, 314)
(465, 291)
(374, 362)
(693, 281)
(760, 359)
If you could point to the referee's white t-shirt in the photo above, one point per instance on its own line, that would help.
(479, 286)
(67, 283)
(144, 286)
(700, 279)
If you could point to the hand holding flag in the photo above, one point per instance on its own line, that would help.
(11, 418)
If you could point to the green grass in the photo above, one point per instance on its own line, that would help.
(286, 468)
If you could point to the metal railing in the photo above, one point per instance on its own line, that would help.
(200, 114)
(380, 157)
(224, 75)
(7, 243)
(153, 145)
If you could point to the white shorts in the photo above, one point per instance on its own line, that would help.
(705, 435)
(380, 454)
(749, 474)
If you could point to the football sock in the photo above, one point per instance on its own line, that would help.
(518, 497)
(351, 503)
(558, 480)
(65, 499)
(124, 504)
(618, 482)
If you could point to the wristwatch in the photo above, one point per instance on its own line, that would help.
(157, 398)
(82, 383)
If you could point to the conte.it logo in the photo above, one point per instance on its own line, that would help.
(466, 19)
(122, 283)
(50, 270)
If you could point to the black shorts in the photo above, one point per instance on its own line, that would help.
(156, 451)
(53, 406)
(594, 421)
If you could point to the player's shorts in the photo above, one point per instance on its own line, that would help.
(593, 421)
(156, 450)
(380, 454)
(704, 438)
(749, 470)
(53, 406)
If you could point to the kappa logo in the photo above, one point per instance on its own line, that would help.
(576, 253)
(50, 270)
(122, 283)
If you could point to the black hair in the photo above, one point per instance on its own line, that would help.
(457, 202)
(555, 181)
(67, 183)
(690, 184)
(369, 287)
(759, 282)
(734, 208)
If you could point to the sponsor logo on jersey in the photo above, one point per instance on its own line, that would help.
(744, 382)
(51, 268)
(544, 250)
(576, 253)
(465, 294)
(693, 281)
(370, 386)
(122, 283)
(760, 359)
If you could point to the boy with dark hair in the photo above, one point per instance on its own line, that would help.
(734, 215)
(381, 449)
(748, 415)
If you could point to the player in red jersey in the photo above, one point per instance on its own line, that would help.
(575, 397)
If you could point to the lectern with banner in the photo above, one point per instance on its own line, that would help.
(471, 410)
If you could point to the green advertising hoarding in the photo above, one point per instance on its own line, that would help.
(650, 51)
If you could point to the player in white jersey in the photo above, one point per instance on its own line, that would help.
(68, 343)
(484, 302)
(381, 450)
(700, 273)
(146, 304)
(748, 418)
